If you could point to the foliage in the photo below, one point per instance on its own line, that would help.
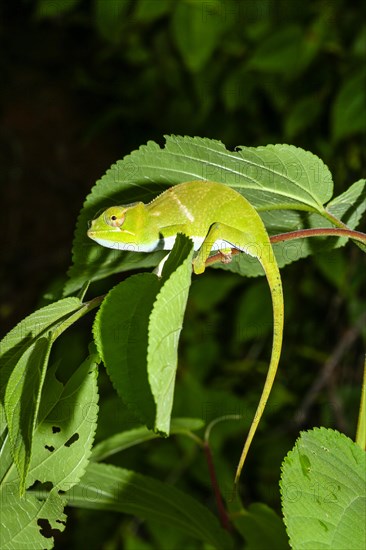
(238, 71)
(46, 440)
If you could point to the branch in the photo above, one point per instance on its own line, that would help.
(301, 234)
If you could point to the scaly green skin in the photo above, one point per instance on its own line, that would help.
(215, 217)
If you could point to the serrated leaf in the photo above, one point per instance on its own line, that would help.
(323, 491)
(350, 205)
(124, 440)
(284, 183)
(106, 487)
(63, 440)
(24, 354)
(165, 325)
(26, 521)
(121, 336)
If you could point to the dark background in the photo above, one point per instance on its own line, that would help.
(84, 83)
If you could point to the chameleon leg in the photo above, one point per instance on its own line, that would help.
(218, 231)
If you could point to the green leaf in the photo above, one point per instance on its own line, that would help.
(261, 528)
(349, 109)
(124, 440)
(63, 439)
(285, 52)
(280, 181)
(121, 336)
(137, 330)
(24, 354)
(54, 8)
(26, 522)
(106, 487)
(197, 29)
(147, 11)
(301, 116)
(323, 491)
(165, 325)
(350, 205)
(110, 17)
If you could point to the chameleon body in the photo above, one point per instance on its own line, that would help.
(216, 218)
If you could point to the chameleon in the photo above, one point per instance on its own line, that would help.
(217, 219)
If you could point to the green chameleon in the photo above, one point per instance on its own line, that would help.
(217, 219)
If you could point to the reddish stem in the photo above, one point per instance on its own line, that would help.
(301, 234)
(225, 522)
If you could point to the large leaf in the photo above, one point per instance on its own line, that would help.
(121, 336)
(323, 489)
(61, 448)
(24, 354)
(106, 487)
(287, 185)
(136, 332)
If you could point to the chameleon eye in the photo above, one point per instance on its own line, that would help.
(114, 219)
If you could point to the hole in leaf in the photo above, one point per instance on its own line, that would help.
(55, 429)
(60, 521)
(50, 448)
(46, 529)
(72, 440)
(37, 485)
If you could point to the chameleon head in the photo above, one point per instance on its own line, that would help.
(107, 228)
(121, 227)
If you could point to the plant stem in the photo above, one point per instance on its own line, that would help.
(225, 522)
(357, 236)
(361, 425)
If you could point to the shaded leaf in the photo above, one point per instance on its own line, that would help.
(106, 487)
(124, 440)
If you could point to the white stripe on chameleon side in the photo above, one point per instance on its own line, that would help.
(129, 247)
(165, 244)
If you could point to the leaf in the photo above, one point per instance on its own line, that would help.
(284, 183)
(165, 325)
(261, 528)
(136, 332)
(24, 353)
(350, 205)
(54, 8)
(196, 30)
(63, 440)
(121, 336)
(323, 491)
(109, 18)
(349, 108)
(302, 115)
(285, 52)
(147, 11)
(125, 440)
(106, 487)
(26, 522)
